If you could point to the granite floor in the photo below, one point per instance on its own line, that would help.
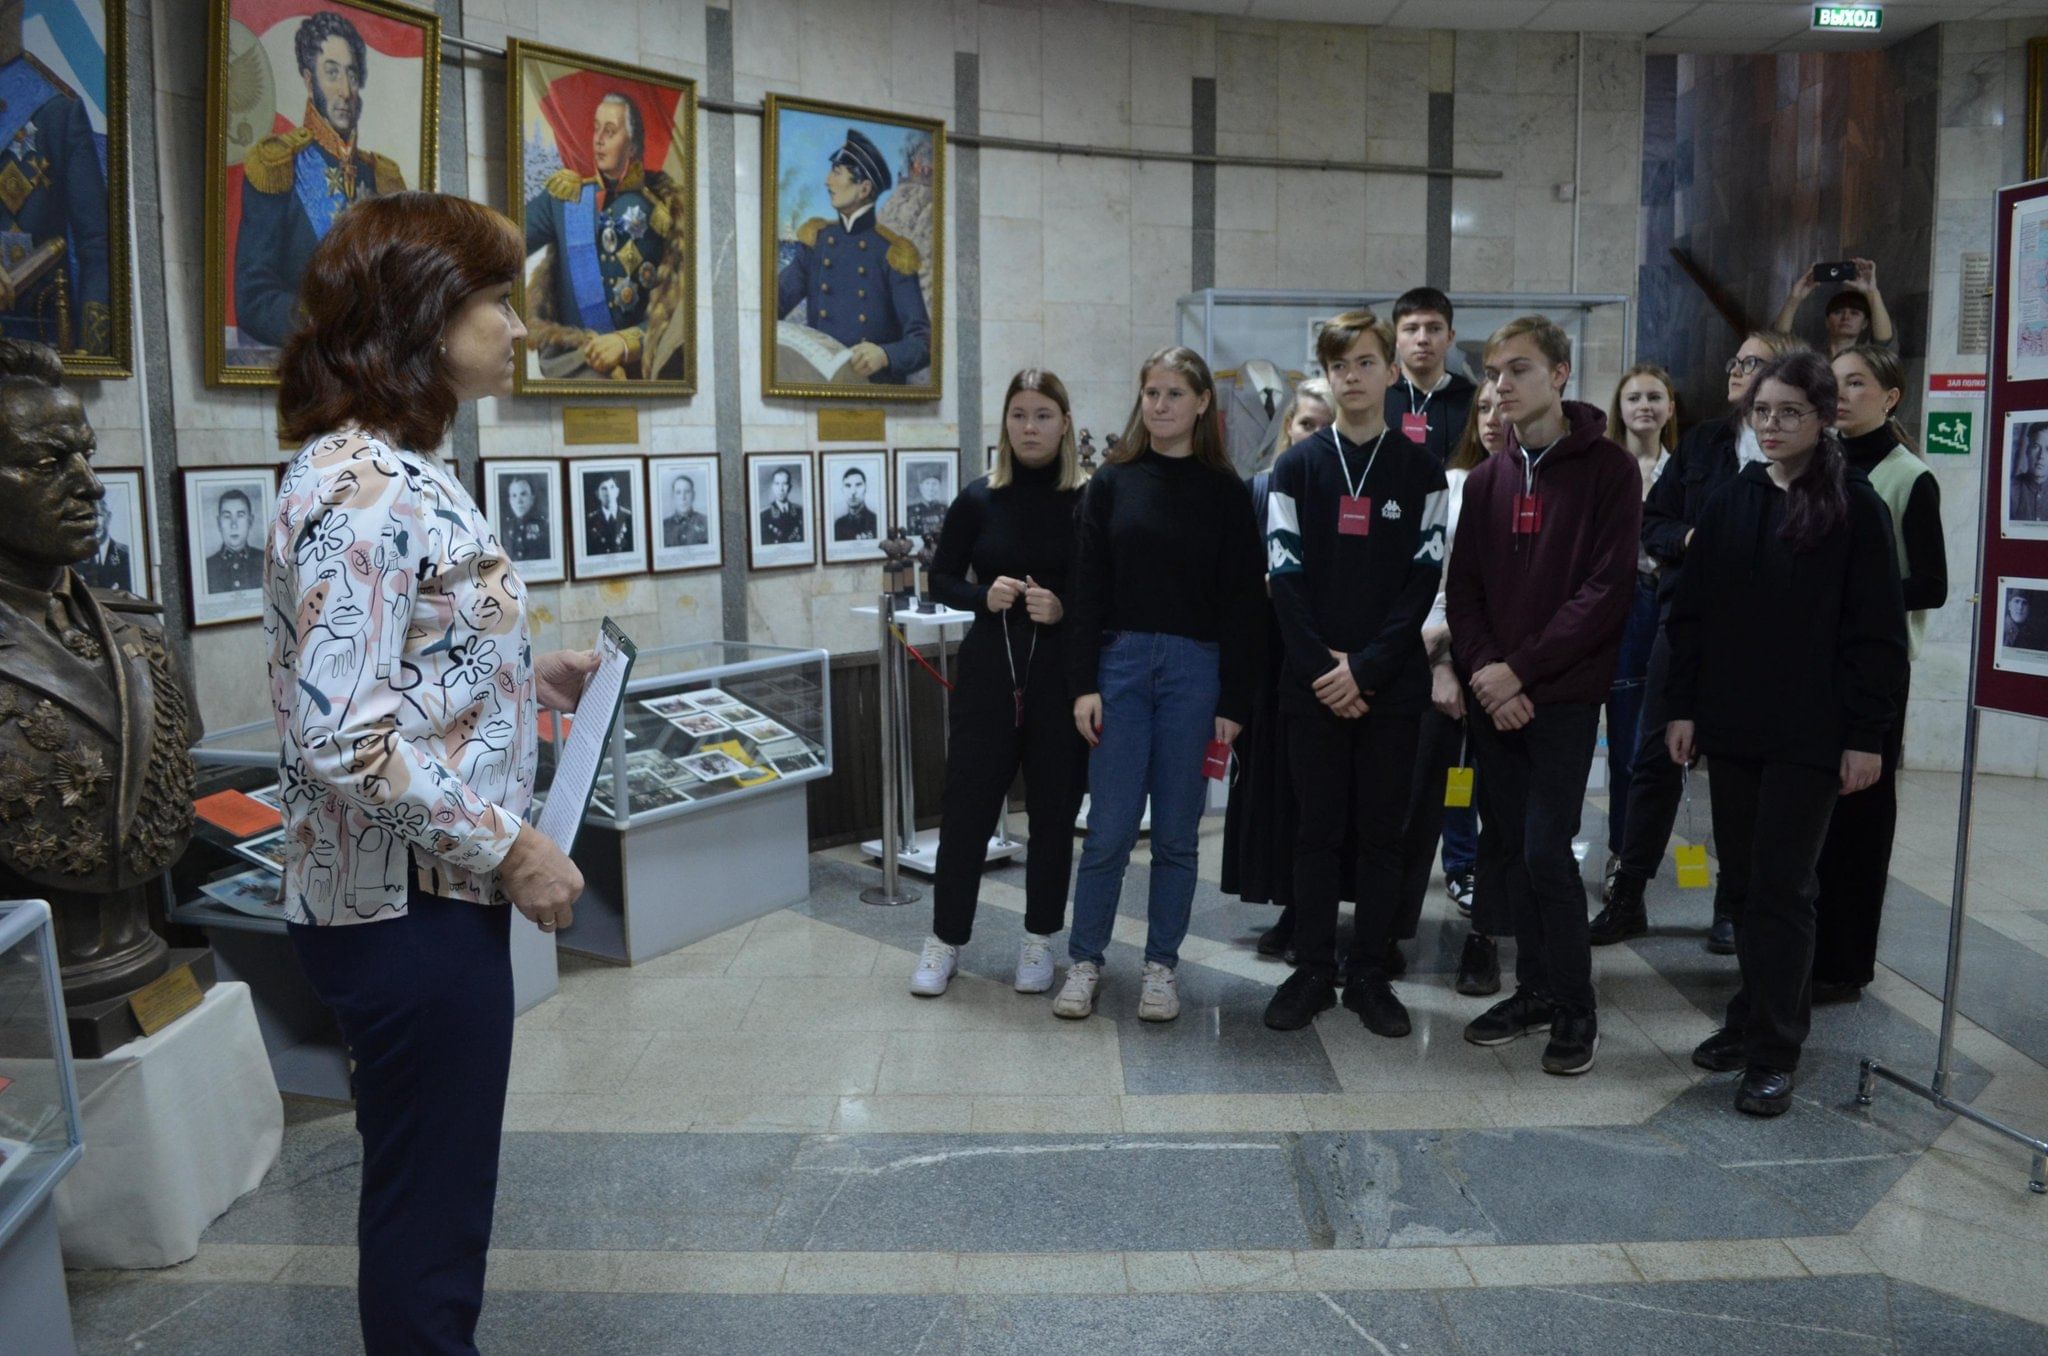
(764, 1144)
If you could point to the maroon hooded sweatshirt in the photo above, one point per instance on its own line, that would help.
(1550, 603)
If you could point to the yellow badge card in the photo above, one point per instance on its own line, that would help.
(1692, 866)
(1458, 788)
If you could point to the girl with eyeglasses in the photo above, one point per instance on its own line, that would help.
(1707, 457)
(1855, 862)
(1788, 668)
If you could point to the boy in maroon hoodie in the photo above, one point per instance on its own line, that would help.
(1541, 579)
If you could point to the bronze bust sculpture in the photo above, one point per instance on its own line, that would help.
(95, 774)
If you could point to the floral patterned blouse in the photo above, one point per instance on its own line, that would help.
(401, 674)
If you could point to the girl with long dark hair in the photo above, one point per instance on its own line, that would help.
(1788, 665)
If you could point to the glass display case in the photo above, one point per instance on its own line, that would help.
(40, 1131)
(1231, 327)
(700, 819)
(708, 724)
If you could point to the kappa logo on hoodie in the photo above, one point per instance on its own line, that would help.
(1392, 512)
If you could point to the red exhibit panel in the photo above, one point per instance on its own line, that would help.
(2012, 643)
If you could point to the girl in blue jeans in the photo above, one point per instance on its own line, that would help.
(1166, 599)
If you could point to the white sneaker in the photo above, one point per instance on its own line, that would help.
(934, 968)
(1077, 996)
(1034, 964)
(1160, 999)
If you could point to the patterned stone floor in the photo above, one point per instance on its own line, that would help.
(764, 1144)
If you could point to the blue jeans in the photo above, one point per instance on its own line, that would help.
(1461, 840)
(1625, 706)
(1158, 715)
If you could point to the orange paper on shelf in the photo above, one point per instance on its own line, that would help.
(236, 813)
(545, 723)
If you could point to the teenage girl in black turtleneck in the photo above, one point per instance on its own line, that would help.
(1013, 532)
(1855, 861)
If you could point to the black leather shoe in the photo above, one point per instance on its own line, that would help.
(1372, 998)
(1574, 1036)
(1301, 996)
(1520, 1014)
(1721, 936)
(1624, 917)
(1479, 967)
(1829, 991)
(1279, 938)
(1720, 1052)
(1764, 1092)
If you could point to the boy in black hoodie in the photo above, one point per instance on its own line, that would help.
(1354, 547)
(1541, 582)
(1428, 404)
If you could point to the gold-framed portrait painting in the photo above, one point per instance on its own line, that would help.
(853, 210)
(64, 243)
(603, 162)
(312, 106)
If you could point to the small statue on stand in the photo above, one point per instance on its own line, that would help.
(1087, 441)
(899, 574)
(95, 775)
(925, 601)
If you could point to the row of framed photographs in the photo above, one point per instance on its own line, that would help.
(629, 515)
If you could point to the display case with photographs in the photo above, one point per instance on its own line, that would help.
(710, 722)
(39, 1124)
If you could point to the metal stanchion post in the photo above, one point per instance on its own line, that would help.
(892, 890)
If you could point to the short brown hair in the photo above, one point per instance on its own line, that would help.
(1540, 330)
(378, 294)
(1340, 332)
(1053, 389)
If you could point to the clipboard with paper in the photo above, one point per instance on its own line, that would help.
(582, 755)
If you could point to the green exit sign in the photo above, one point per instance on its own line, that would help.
(1852, 18)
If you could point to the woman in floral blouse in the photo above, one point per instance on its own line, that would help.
(404, 685)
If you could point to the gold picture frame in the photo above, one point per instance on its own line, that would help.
(252, 78)
(555, 97)
(64, 297)
(2037, 96)
(901, 232)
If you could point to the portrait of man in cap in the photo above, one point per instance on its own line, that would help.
(853, 293)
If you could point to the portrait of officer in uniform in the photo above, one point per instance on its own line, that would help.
(56, 249)
(853, 296)
(228, 512)
(856, 521)
(857, 506)
(523, 498)
(683, 525)
(926, 485)
(685, 492)
(607, 527)
(604, 181)
(319, 104)
(109, 566)
(778, 510)
(293, 186)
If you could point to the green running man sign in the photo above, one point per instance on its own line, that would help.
(1948, 431)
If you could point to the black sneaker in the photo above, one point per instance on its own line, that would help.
(1720, 1052)
(1479, 967)
(1721, 936)
(1624, 917)
(1277, 939)
(1459, 888)
(1764, 1092)
(1574, 1036)
(1520, 1014)
(1302, 995)
(1372, 998)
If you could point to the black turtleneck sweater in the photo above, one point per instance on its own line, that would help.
(1024, 530)
(1923, 572)
(1168, 545)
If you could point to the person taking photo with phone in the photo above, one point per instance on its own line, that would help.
(1855, 315)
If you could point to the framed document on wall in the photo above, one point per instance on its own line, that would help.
(852, 245)
(311, 106)
(603, 166)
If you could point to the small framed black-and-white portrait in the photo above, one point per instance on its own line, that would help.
(854, 486)
(927, 479)
(607, 512)
(228, 512)
(523, 500)
(781, 533)
(688, 534)
(120, 557)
